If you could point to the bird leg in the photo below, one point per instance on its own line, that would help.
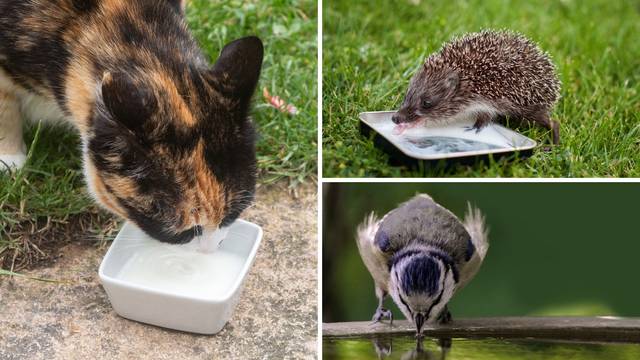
(381, 312)
(445, 316)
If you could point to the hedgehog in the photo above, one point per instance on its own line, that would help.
(485, 76)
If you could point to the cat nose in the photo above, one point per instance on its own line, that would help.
(397, 119)
(198, 230)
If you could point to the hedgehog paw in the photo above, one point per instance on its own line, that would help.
(475, 127)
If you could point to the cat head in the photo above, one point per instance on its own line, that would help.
(177, 156)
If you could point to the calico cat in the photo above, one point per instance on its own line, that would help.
(166, 138)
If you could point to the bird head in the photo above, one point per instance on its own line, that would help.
(422, 282)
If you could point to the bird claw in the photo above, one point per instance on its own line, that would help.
(445, 317)
(380, 314)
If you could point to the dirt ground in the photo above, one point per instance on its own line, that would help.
(275, 318)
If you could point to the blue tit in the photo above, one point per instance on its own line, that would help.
(420, 253)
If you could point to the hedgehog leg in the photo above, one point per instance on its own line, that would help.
(555, 127)
(541, 117)
(482, 120)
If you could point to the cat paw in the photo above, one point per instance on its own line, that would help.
(10, 162)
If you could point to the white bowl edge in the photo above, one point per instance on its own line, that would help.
(362, 116)
(233, 289)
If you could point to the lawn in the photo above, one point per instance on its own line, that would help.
(372, 48)
(46, 203)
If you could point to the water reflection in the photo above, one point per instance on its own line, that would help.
(388, 347)
(443, 145)
(384, 348)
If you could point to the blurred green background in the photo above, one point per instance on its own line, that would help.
(556, 248)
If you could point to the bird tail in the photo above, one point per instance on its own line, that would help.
(367, 230)
(476, 227)
(374, 259)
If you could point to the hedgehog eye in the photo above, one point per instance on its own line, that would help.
(426, 103)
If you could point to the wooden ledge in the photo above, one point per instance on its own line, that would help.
(604, 328)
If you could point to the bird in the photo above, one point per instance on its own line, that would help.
(421, 254)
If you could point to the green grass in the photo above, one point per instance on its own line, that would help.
(372, 48)
(288, 28)
(47, 201)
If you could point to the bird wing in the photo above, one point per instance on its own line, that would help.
(374, 259)
(474, 222)
(423, 221)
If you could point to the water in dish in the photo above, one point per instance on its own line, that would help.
(181, 269)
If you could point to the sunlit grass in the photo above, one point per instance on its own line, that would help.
(371, 49)
(50, 190)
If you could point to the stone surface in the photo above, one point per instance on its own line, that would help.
(603, 328)
(275, 318)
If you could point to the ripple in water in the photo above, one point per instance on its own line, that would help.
(183, 271)
(445, 145)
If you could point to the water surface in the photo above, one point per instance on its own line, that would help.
(406, 347)
(430, 145)
(179, 270)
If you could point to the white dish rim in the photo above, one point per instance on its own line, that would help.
(414, 155)
(104, 278)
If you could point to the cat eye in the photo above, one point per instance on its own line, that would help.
(426, 103)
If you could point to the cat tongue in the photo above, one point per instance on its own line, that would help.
(210, 240)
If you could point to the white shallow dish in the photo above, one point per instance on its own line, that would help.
(170, 305)
(452, 141)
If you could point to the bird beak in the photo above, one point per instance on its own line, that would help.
(419, 321)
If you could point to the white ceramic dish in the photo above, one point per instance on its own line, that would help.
(453, 141)
(176, 305)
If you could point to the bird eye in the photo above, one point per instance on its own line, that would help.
(426, 103)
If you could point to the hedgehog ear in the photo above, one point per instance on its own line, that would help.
(452, 81)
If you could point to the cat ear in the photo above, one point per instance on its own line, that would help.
(238, 68)
(129, 103)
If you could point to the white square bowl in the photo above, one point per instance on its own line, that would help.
(198, 313)
(493, 139)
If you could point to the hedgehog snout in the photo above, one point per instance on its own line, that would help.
(401, 117)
